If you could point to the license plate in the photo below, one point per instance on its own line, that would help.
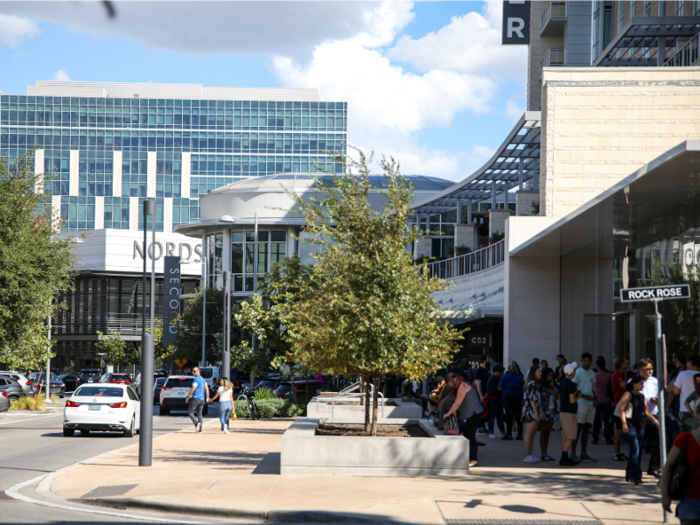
(180, 393)
(94, 407)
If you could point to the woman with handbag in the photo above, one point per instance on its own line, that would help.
(632, 409)
(681, 476)
(468, 408)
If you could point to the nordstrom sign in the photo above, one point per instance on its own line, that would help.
(156, 250)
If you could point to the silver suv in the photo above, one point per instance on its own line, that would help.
(173, 394)
(21, 379)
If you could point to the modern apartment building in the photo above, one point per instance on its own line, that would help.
(610, 34)
(110, 146)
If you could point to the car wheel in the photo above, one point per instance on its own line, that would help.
(13, 399)
(163, 411)
(84, 432)
(130, 433)
(62, 396)
(68, 432)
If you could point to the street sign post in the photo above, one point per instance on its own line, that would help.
(180, 362)
(656, 294)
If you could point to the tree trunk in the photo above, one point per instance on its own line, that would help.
(291, 380)
(367, 402)
(375, 407)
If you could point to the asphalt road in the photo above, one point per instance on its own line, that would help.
(35, 445)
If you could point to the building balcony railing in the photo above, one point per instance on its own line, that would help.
(554, 19)
(469, 263)
(554, 58)
(685, 56)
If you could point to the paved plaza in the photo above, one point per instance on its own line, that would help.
(237, 476)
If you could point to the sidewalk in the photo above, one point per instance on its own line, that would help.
(237, 475)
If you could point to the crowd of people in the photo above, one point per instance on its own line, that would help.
(587, 402)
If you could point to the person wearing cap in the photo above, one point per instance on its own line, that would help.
(691, 403)
(468, 409)
(569, 396)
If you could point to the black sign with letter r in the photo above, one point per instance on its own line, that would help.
(516, 23)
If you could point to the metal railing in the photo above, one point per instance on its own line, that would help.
(686, 55)
(554, 10)
(468, 263)
(554, 57)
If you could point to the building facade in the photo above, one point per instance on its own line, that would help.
(110, 146)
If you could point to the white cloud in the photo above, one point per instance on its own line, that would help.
(513, 110)
(61, 74)
(14, 29)
(206, 27)
(468, 44)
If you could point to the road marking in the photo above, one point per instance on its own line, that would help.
(14, 493)
(30, 419)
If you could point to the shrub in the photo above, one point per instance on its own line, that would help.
(29, 403)
(270, 408)
(264, 394)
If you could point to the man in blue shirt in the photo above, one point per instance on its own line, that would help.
(196, 399)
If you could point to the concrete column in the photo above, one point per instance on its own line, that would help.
(39, 170)
(168, 215)
(56, 207)
(134, 213)
(99, 213)
(117, 174)
(493, 195)
(74, 177)
(226, 255)
(524, 200)
(497, 221)
(506, 196)
(465, 235)
(536, 176)
(459, 211)
(186, 174)
(151, 175)
(469, 212)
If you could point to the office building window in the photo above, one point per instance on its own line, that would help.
(633, 8)
(662, 8)
(679, 7)
(620, 15)
(116, 214)
(696, 8)
(647, 8)
(78, 213)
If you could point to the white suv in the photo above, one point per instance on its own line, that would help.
(174, 393)
(22, 380)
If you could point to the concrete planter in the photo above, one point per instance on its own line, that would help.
(352, 411)
(305, 453)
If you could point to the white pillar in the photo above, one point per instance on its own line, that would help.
(186, 174)
(168, 215)
(133, 213)
(151, 175)
(117, 174)
(74, 177)
(99, 213)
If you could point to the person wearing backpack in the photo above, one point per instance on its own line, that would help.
(681, 476)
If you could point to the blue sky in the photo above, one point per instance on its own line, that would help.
(427, 82)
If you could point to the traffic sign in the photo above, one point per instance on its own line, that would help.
(655, 293)
(180, 362)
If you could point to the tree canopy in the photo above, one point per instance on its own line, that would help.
(364, 308)
(34, 264)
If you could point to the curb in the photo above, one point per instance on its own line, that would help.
(271, 515)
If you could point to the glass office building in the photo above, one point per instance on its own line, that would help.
(138, 141)
(110, 146)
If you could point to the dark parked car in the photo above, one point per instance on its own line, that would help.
(70, 380)
(88, 375)
(11, 387)
(116, 378)
(284, 390)
(136, 385)
(56, 386)
(157, 387)
(268, 382)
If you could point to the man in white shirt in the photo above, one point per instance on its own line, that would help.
(650, 390)
(683, 386)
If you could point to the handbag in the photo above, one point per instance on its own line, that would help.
(628, 410)
(452, 426)
(681, 472)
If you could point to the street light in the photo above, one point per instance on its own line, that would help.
(146, 430)
(226, 336)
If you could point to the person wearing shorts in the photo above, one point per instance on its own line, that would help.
(585, 413)
(568, 413)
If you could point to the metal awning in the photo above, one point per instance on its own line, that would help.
(516, 161)
(645, 36)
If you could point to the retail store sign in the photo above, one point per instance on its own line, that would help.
(516, 23)
(656, 293)
(158, 249)
(171, 298)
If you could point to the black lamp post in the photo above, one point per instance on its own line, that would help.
(146, 429)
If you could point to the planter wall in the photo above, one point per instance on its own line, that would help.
(305, 453)
(320, 408)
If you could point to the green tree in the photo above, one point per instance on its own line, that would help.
(162, 354)
(365, 308)
(261, 314)
(118, 352)
(188, 341)
(34, 264)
